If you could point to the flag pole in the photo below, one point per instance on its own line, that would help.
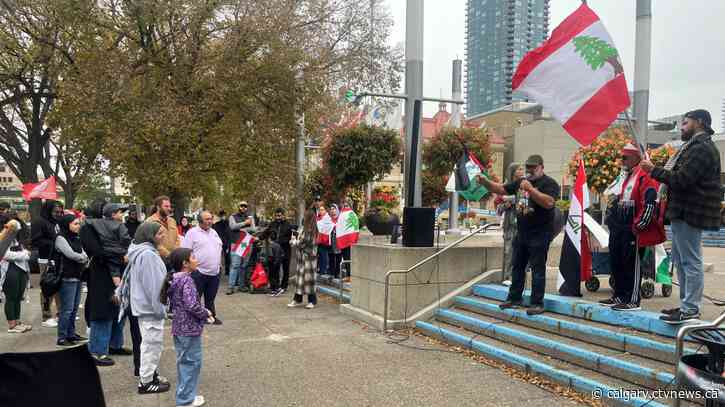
(640, 144)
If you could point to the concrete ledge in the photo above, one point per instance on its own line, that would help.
(644, 321)
(663, 352)
(333, 292)
(574, 381)
(608, 365)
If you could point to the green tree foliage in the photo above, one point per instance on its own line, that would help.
(355, 156)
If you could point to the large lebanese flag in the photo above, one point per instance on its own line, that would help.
(44, 190)
(347, 228)
(577, 76)
(576, 258)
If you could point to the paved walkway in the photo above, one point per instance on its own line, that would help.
(268, 355)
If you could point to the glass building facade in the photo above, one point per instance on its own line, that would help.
(498, 35)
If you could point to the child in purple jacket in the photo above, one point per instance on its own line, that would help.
(187, 326)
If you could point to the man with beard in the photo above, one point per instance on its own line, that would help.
(222, 230)
(535, 220)
(240, 225)
(132, 221)
(281, 232)
(163, 217)
(43, 231)
(693, 194)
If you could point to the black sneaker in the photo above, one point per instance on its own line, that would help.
(217, 321)
(626, 307)
(65, 342)
(244, 290)
(78, 338)
(610, 302)
(154, 386)
(120, 351)
(230, 291)
(103, 360)
(510, 304)
(536, 309)
(669, 311)
(679, 317)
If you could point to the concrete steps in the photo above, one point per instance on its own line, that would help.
(576, 343)
(331, 286)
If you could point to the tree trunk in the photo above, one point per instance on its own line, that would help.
(180, 203)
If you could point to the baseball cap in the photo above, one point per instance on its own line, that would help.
(243, 203)
(534, 160)
(112, 208)
(704, 117)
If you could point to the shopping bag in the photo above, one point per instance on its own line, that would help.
(259, 276)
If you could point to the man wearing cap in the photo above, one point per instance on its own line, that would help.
(4, 207)
(693, 193)
(535, 198)
(634, 223)
(240, 224)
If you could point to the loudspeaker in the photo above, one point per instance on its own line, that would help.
(418, 225)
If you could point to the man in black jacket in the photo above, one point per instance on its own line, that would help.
(221, 227)
(132, 221)
(693, 194)
(281, 231)
(42, 234)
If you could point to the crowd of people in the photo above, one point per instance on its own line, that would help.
(141, 273)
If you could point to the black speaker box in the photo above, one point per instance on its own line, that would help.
(418, 225)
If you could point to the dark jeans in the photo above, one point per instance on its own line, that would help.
(70, 297)
(275, 275)
(623, 260)
(285, 265)
(345, 269)
(135, 341)
(323, 260)
(335, 259)
(207, 286)
(530, 249)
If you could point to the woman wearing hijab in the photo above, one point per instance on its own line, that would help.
(140, 290)
(307, 262)
(71, 259)
(14, 271)
(335, 254)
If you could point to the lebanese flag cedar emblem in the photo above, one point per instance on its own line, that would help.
(577, 76)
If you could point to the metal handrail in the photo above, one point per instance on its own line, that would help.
(342, 280)
(680, 343)
(421, 263)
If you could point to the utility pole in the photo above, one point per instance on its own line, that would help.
(643, 46)
(300, 155)
(414, 92)
(455, 122)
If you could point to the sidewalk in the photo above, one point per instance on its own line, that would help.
(268, 355)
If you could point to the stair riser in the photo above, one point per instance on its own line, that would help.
(613, 340)
(640, 320)
(571, 380)
(612, 367)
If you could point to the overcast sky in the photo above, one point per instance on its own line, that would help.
(688, 48)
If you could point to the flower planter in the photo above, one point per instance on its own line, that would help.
(381, 225)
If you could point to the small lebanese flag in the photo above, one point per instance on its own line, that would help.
(43, 190)
(324, 229)
(577, 76)
(347, 228)
(243, 245)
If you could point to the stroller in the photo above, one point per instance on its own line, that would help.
(601, 267)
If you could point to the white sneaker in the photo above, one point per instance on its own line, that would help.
(310, 305)
(294, 304)
(198, 401)
(50, 323)
(84, 290)
(18, 329)
(88, 331)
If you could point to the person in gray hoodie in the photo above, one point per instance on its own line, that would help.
(140, 289)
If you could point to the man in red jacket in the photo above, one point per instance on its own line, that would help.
(634, 221)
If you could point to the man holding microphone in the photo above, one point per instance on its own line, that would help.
(535, 198)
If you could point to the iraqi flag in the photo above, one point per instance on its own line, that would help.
(243, 245)
(324, 229)
(468, 168)
(347, 228)
(575, 264)
(577, 76)
(43, 190)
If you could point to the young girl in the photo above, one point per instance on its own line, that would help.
(187, 325)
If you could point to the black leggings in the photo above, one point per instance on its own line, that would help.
(135, 341)
(14, 288)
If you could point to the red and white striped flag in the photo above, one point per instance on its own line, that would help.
(44, 190)
(577, 76)
(243, 245)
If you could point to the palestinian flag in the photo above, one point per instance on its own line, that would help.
(243, 245)
(577, 76)
(468, 168)
(662, 263)
(575, 264)
(347, 228)
(324, 229)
